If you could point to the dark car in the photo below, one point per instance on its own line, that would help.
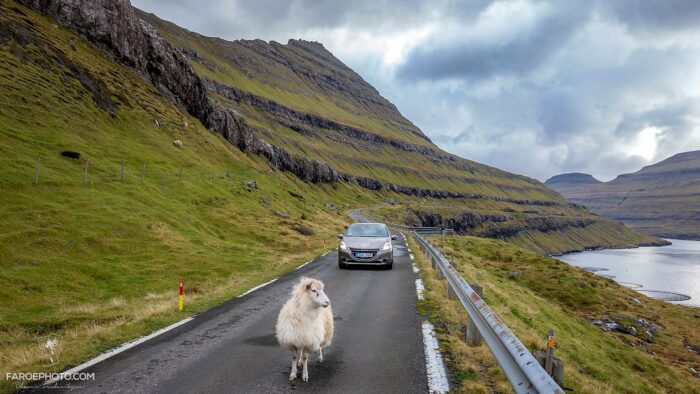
(366, 243)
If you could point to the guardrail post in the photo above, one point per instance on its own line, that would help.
(473, 337)
(451, 294)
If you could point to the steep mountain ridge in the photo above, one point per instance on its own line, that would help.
(305, 112)
(329, 113)
(661, 199)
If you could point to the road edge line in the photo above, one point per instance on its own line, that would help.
(420, 288)
(434, 365)
(256, 288)
(120, 349)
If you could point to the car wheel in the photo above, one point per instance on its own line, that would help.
(342, 265)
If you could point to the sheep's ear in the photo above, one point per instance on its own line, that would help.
(308, 286)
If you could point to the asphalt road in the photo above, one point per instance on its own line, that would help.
(377, 348)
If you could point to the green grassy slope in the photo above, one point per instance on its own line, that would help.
(547, 293)
(99, 263)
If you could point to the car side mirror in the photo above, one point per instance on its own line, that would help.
(394, 237)
(340, 236)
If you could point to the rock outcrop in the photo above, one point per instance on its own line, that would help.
(305, 123)
(483, 225)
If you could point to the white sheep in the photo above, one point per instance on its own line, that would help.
(305, 324)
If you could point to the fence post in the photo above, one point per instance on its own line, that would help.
(85, 176)
(473, 337)
(550, 352)
(553, 365)
(122, 176)
(38, 166)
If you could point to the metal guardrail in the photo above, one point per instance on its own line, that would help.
(523, 371)
(521, 368)
(356, 215)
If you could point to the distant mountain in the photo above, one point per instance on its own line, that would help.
(571, 179)
(662, 199)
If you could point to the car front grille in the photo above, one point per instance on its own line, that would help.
(364, 253)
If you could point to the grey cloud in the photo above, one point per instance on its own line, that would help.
(280, 20)
(676, 116)
(654, 14)
(475, 59)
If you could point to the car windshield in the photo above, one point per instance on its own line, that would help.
(367, 230)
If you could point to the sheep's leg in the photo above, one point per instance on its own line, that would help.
(320, 354)
(301, 353)
(293, 374)
(305, 371)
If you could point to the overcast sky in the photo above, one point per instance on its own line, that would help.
(533, 87)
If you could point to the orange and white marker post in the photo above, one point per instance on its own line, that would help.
(549, 356)
(181, 298)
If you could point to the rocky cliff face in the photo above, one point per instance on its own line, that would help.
(660, 199)
(500, 226)
(306, 123)
(114, 26)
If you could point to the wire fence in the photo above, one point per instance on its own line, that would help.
(57, 171)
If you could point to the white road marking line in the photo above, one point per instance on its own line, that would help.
(310, 261)
(256, 287)
(122, 348)
(435, 367)
(409, 249)
(419, 289)
(415, 269)
(326, 253)
(411, 256)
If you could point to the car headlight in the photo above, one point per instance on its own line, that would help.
(387, 246)
(343, 246)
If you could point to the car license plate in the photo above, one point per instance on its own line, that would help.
(363, 255)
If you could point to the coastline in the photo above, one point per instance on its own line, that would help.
(662, 242)
(656, 274)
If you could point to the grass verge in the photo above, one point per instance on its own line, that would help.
(547, 293)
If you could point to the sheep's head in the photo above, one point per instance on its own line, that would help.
(313, 289)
